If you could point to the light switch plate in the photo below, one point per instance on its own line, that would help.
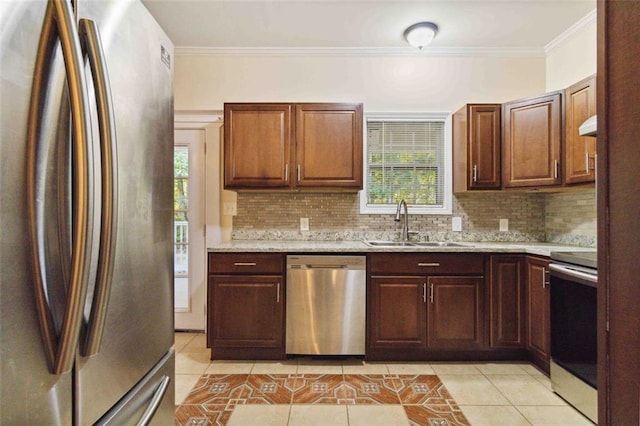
(504, 225)
(304, 223)
(456, 224)
(229, 209)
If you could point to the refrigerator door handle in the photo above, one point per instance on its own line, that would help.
(90, 36)
(155, 402)
(59, 24)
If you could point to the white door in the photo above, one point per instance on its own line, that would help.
(189, 224)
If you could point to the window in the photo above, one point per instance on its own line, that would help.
(407, 157)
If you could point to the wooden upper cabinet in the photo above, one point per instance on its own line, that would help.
(289, 146)
(580, 151)
(476, 147)
(257, 145)
(329, 145)
(532, 137)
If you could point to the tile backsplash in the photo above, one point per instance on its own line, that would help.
(570, 218)
(567, 218)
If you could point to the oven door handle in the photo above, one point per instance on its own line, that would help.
(571, 274)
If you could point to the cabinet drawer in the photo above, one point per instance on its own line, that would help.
(245, 263)
(426, 263)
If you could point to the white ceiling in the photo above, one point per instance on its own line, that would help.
(502, 24)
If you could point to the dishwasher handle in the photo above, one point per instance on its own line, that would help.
(321, 262)
(312, 266)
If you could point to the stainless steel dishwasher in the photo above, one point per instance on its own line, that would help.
(326, 299)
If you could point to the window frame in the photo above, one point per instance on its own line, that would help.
(447, 201)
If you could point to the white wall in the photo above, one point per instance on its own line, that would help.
(383, 83)
(572, 56)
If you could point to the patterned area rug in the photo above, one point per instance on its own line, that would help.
(424, 398)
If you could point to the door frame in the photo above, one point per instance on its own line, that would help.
(210, 123)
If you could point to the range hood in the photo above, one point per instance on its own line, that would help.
(589, 127)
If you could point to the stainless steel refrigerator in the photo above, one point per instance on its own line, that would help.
(86, 169)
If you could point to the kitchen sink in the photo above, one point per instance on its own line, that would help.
(438, 244)
(414, 244)
(389, 244)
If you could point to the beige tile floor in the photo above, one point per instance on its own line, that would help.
(489, 394)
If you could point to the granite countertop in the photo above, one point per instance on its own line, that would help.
(284, 246)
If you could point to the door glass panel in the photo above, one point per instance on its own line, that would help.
(181, 227)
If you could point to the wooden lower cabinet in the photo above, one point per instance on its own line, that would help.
(397, 312)
(410, 316)
(245, 309)
(455, 312)
(425, 306)
(538, 311)
(507, 301)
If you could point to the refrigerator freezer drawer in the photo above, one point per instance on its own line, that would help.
(151, 401)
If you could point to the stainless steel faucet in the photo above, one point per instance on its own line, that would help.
(405, 224)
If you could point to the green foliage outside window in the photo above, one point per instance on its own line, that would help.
(180, 183)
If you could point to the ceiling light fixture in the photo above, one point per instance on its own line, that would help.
(420, 34)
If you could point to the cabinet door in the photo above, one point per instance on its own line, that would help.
(507, 301)
(484, 146)
(531, 141)
(476, 147)
(246, 311)
(579, 150)
(257, 144)
(455, 313)
(329, 145)
(397, 317)
(538, 316)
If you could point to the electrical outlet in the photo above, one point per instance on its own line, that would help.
(304, 223)
(456, 224)
(504, 225)
(229, 209)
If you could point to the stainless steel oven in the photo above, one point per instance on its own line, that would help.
(574, 345)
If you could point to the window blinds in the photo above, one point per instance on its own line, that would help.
(405, 160)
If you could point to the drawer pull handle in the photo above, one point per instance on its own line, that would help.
(245, 263)
(433, 264)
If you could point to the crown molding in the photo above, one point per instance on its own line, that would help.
(569, 32)
(362, 51)
(187, 119)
